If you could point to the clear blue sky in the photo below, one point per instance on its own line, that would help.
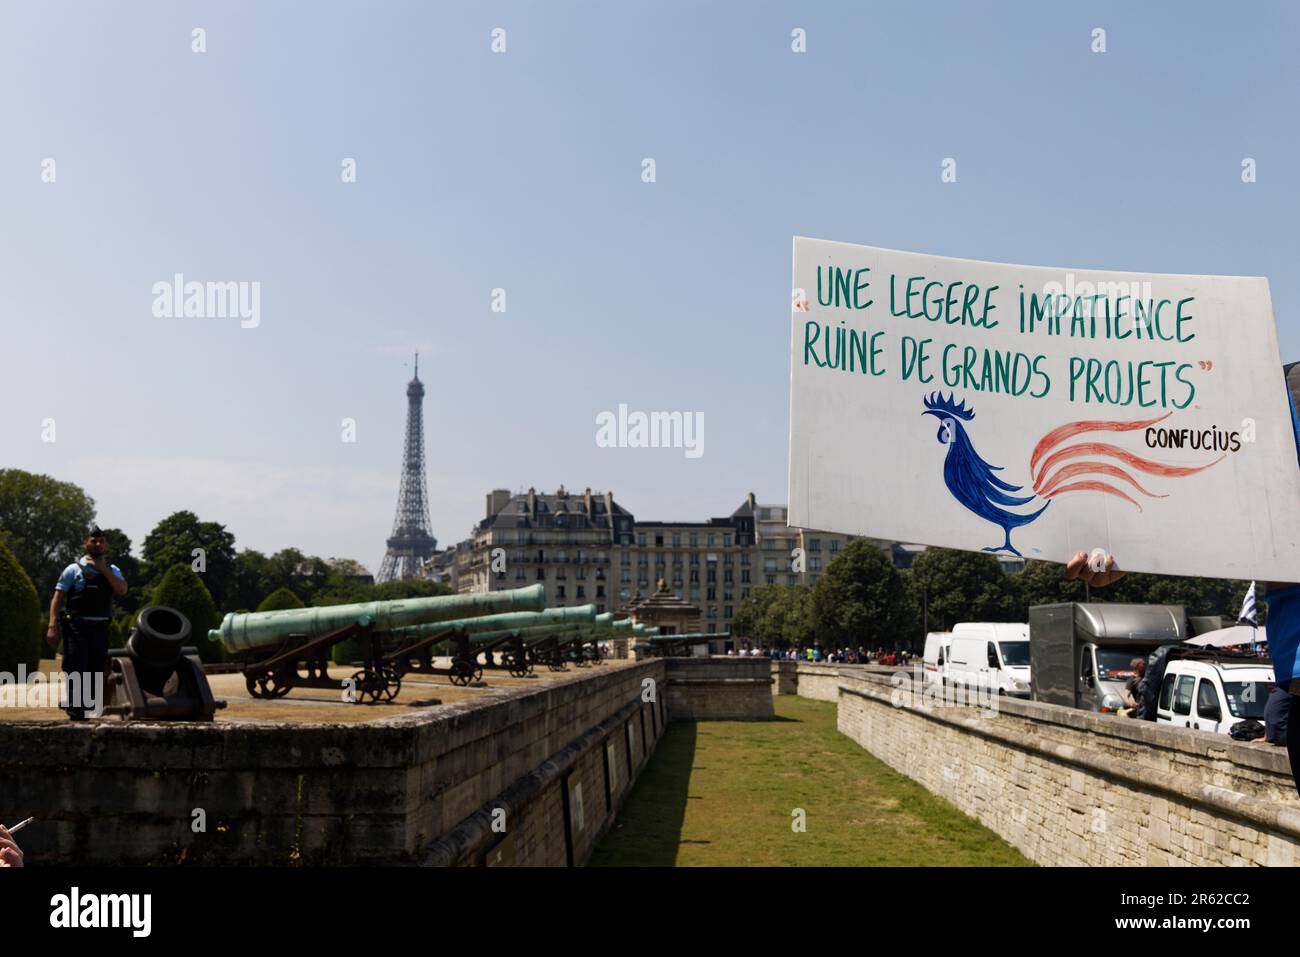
(523, 171)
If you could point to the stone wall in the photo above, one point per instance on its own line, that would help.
(555, 814)
(820, 682)
(378, 792)
(785, 677)
(721, 688)
(1069, 787)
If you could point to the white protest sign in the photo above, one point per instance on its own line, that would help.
(1040, 412)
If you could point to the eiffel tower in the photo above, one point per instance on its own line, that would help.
(411, 543)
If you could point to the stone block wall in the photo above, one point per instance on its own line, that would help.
(1068, 787)
(785, 677)
(720, 688)
(379, 792)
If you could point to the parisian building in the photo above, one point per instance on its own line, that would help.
(586, 548)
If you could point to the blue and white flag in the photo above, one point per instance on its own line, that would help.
(1248, 607)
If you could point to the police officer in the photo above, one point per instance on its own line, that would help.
(86, 588)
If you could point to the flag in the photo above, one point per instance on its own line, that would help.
(1248, 607)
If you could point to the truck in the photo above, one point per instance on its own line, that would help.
(992, 655)
(1081, 653)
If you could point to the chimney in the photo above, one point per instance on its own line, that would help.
(497, 499)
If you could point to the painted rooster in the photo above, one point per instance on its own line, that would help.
(1056, 469)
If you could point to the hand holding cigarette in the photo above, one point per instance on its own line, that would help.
(11, 855)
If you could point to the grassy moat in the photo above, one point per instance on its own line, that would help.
(724, 793)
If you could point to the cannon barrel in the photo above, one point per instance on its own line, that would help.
(555, 629)
(579, 614)
(568, 630)
(261, 628)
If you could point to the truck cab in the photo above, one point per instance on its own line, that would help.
(1082, 652)
(1209, 692)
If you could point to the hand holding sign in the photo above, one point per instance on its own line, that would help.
(1097, 569)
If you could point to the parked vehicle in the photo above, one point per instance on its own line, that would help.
(934, 660)
(1081, 654)
(991, 655)
(1212, 691)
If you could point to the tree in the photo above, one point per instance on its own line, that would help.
(44, 523)
(776, 615)
(1043, 583)
(119, 554)
(251, 580)
(860, 598)
(21, 634)
(184, 591)
(174, 540)
(791, 620)
(749, 620)
(408, 588)
(347, 568)
(304, 575)
(949, 586)
(279, 600)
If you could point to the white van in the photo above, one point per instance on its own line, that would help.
(934, 661)
(1213, 694)
(992, 655)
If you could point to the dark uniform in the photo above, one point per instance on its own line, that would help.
(88, 611)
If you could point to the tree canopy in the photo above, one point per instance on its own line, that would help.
(174, 540)
(860, 599)
(776, 615)
(43, 522)
(948, 586)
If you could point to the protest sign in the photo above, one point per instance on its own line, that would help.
(1034, 411)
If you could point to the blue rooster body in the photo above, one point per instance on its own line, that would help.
(971, 479)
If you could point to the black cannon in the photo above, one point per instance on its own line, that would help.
(157, 676)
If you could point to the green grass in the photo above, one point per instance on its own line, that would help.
(722, 793)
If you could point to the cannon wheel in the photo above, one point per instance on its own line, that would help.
(518, 669)
(381, 685)
(393, 683)
(268, 684)
(360, 688)
(462, 672)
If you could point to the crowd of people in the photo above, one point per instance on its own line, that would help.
(842, 656)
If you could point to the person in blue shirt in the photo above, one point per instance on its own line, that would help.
(1283, 598)
(80, 613)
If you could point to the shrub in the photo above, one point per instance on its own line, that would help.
(280, 600)
(183, 590)
(21, 634)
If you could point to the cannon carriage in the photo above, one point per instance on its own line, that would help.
(291, 648)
